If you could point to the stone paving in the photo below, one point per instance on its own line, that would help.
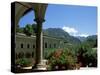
(88, 68)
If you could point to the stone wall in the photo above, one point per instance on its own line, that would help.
(26, 45)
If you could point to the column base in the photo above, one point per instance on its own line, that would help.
(40, 67)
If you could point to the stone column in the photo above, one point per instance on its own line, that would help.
(39, 44)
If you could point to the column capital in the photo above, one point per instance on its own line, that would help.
(39, 20)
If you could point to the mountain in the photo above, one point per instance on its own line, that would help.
(56, 32)
(81, 38)
(91, 41)
(59, 33)
(94, 37)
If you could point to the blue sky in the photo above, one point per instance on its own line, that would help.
(76, 20)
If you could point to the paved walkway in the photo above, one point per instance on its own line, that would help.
(88, 68)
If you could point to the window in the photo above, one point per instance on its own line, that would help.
(21, 55)
(33, 46)
(54, 45)
(50, 46)
(28, 46)
(45, 45)
(32, 54)
(21, 45)
(28, 55)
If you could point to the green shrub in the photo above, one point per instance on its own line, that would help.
(87, 56)
(23, 62)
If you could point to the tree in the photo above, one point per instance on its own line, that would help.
(28, 30)
(91, 56)
(87, 55)
(19, 29)
(91, 41)
(34, 27)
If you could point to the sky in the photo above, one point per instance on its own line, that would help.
(76, 20)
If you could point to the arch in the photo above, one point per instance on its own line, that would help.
(21, 10)
(33, 54)
(39, 10)
(21, 45)
(45, 44)
(21, 55)
(28, 45)
(28, 55)
(16, 55)
(33, 46)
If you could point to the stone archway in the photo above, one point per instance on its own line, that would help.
(20, 9)
(39, 10)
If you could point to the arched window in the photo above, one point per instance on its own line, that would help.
(50, 46)
(21, 45)
(33, 46)
(28, 55)
(28, 46)
(45, 45)
(54, 45)
(32, 54)
(21, 55)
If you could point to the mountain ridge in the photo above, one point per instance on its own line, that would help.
(60, 33)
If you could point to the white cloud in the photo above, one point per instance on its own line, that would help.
(70, 30)
(81, 35)
(73, 31)
(84, 35)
